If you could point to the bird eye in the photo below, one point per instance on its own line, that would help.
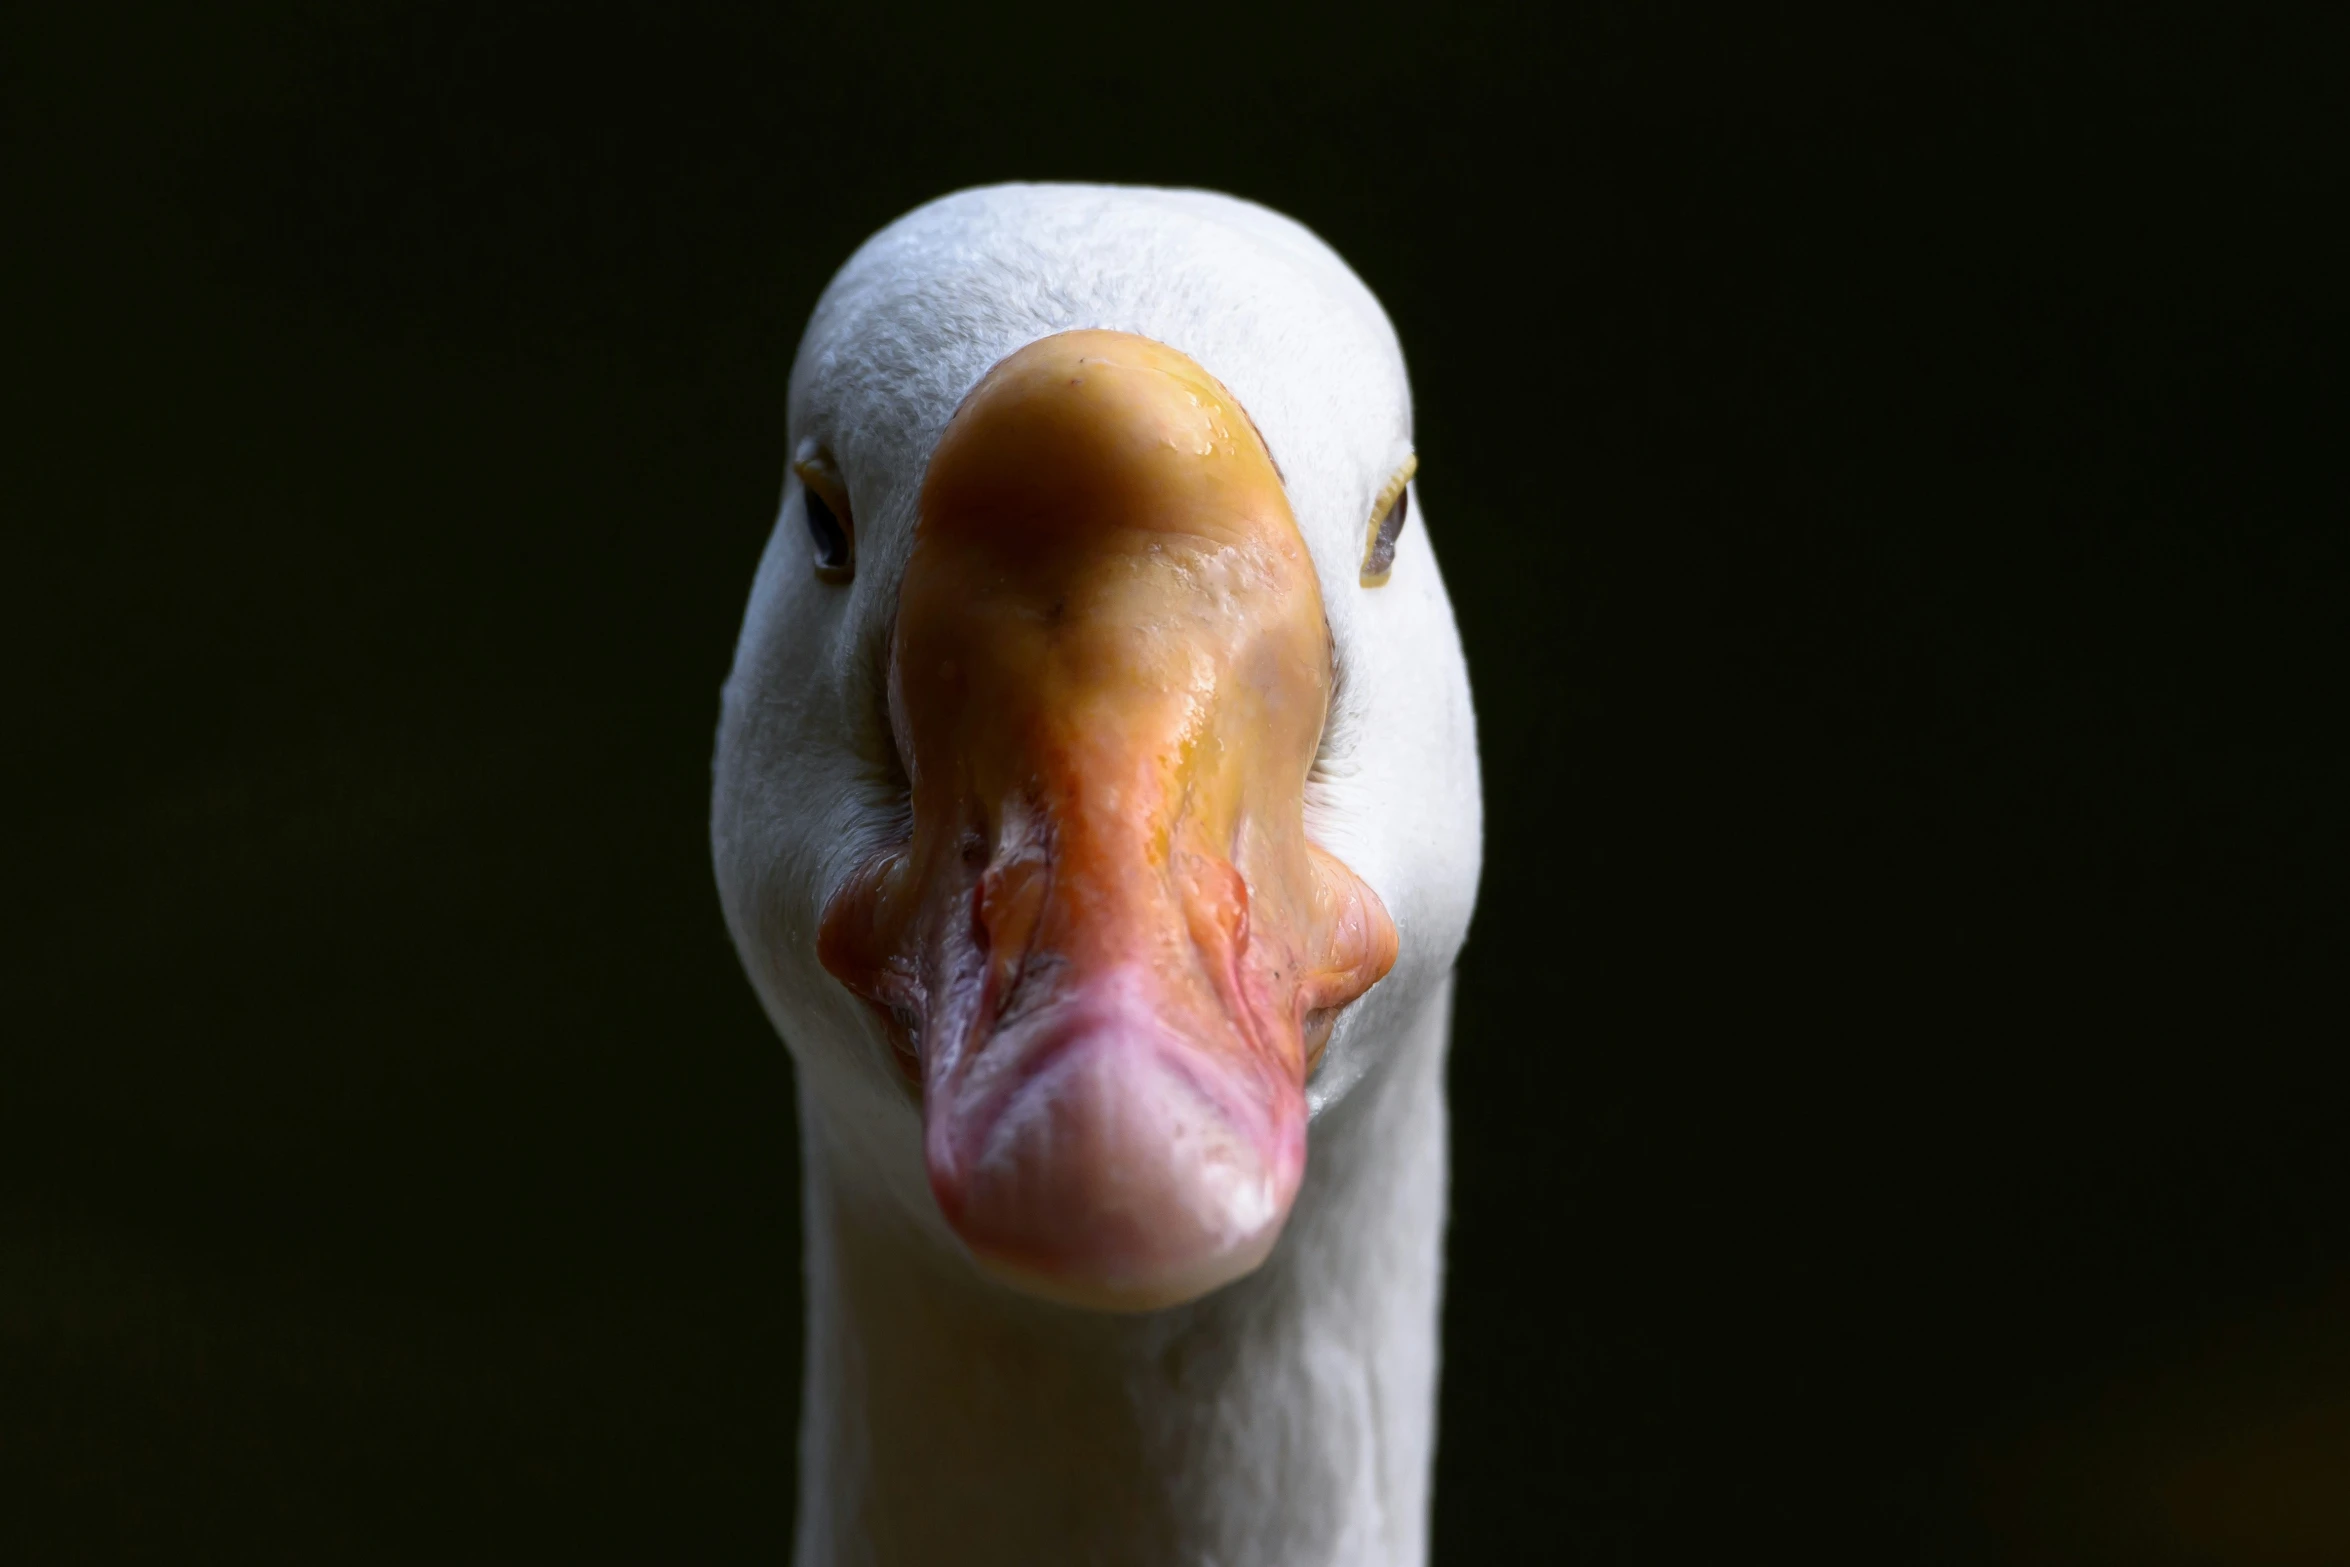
(830, 528)
(1388, 515)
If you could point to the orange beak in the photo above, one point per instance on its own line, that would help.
(1108, 953)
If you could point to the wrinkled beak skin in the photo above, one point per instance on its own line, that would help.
(1108, 953)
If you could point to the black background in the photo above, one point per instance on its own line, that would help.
(1887, 474)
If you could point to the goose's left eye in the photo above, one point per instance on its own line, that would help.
(1388, 515)
(832, 532)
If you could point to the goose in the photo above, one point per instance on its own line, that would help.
(1096, 814)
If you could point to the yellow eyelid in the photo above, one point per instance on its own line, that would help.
(818, 474)
(1374, 574)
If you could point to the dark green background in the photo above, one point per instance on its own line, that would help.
(1889, 477)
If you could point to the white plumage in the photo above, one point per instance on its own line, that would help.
(1286, 1418)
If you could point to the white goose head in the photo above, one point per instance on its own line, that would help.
(1096, 789)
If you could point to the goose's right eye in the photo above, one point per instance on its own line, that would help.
(831, 530)
(1388, 515)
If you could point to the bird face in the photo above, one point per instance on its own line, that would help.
(1056, 820)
